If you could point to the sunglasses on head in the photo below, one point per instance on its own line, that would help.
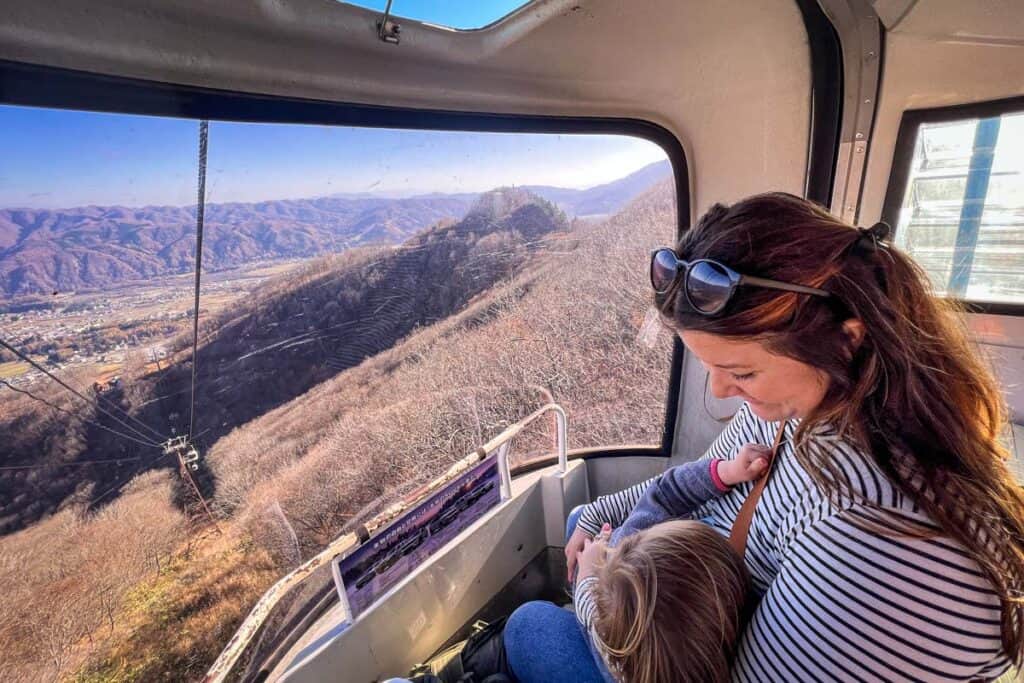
(709, 285)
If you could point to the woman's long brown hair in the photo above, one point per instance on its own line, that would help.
(915, 393)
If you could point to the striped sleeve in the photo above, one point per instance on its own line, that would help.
(583, 601)
(586, 612)
(615, 507)
(850, 605)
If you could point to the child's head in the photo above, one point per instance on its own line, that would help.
(668, 604)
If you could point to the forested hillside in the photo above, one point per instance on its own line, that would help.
(297, 332)
(329, 391)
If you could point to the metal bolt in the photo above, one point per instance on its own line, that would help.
(860, 136)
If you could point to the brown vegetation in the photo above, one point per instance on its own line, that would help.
(278, 343)
(568, 324)
(96, 247)
(150, 604)
(66, 578)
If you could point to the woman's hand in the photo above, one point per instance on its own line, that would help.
(573, 547)
(750, 463)
(593, 553)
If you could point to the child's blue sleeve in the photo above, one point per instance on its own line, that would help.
(675, 494)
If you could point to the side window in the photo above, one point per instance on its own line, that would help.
(375, 304)
(962, 214)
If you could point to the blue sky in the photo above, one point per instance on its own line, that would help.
(454, 13)
(58, 159)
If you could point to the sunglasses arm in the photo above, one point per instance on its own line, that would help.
(785, 286)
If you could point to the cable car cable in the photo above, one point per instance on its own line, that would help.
(64, 384)
(204, 133)
(100, 399)
(81, 463)
(77, 393)
(76, 415)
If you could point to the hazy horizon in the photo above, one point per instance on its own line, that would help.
(56, 159)
(340, 195)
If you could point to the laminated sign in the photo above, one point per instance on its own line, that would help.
(373, 568)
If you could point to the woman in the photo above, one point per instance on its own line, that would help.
(887, 544)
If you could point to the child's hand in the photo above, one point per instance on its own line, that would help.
(573, 547)
(750, 463)
(593, 553)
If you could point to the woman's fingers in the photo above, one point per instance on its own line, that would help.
(582, 552)
(756, 450)
(572, 548)
(754, 457)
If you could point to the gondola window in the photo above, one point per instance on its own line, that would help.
(373, 305)
(962, 216)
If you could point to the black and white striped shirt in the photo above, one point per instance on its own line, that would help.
(840, 602)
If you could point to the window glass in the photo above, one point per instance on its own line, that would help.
(375, 304)
(458, 14)
(963, 213)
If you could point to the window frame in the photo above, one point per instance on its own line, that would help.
(58, 88)
(903, 157)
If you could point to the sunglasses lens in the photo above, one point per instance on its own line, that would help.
(664, 267)
(708, 287)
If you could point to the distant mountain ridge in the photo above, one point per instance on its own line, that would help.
(608, 198)
(97, 247)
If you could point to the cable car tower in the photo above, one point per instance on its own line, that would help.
(188, 462)
(187, 454)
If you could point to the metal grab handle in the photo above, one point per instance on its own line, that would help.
(504, 471)
(503, 441)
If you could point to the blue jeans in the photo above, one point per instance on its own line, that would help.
(545, 642)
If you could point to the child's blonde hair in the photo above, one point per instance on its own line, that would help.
(668, 604)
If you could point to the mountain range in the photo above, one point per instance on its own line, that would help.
(606, 199)
(96, 247)
(292, 334)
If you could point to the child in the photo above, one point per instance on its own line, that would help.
(663, 601)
